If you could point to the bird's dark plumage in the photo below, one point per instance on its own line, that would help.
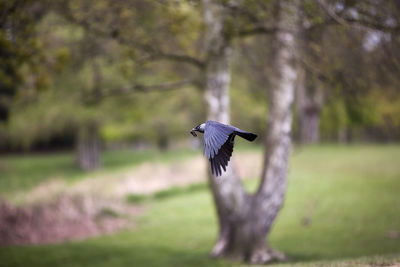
(218, 143)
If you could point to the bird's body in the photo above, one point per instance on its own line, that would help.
(218, 143)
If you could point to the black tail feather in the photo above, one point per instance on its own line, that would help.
(248, 136)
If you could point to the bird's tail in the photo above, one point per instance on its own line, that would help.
(248, 136)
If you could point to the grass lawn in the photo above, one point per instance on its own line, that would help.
(19, 172)
(341, 203)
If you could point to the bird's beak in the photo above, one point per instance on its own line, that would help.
(193, 132)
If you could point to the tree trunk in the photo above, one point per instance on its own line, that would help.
(272, 189)
(309, 95)
(308, 105)
(88, 147)
(88, 140)
(229, 195)
(245, 220)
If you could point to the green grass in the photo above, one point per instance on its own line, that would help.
(21, 172)
(349, 195)
(24, 171)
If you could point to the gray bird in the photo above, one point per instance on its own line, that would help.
(218, 142)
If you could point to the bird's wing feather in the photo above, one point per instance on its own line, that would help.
(223, 156)
(215, 135)
(218, 145)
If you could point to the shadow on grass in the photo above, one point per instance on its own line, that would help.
(167, 193)
(84, 254)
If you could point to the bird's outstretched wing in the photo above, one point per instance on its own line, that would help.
(218, 145)
(223, 156)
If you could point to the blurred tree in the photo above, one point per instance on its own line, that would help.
(144, 30)
(245, 220)
(236, 218)
(347, 71)
(309, 93)
(20, 50)
(85, 64)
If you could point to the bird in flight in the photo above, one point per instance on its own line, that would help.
(218, 142)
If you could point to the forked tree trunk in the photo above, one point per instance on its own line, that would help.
(245, 220)
(88, 147)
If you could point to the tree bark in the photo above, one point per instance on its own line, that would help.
(308, 106)
(88, 139)
(88, 147)
(245, 220)
(272, 189)
(229, 195)
(309, 95)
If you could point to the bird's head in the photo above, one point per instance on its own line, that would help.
(199, 128)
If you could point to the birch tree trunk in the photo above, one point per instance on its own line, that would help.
(245, 220)
(229, 195)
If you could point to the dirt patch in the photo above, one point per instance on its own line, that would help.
(149, 178)
(56, 211)
(66, 218)
(393, 234)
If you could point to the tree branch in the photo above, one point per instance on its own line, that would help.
(158, 55)
(154, 53)
(360, 23)
(371, 25)
(136, 88)
(256, 30)
(258, 27)
(235, 8)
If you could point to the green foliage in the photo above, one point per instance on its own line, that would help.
(22, 61)
(152, 117)
(359, 90)
(334, 119)
(89, 57)
(375, 109)
(387, 109)
(88, 70)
